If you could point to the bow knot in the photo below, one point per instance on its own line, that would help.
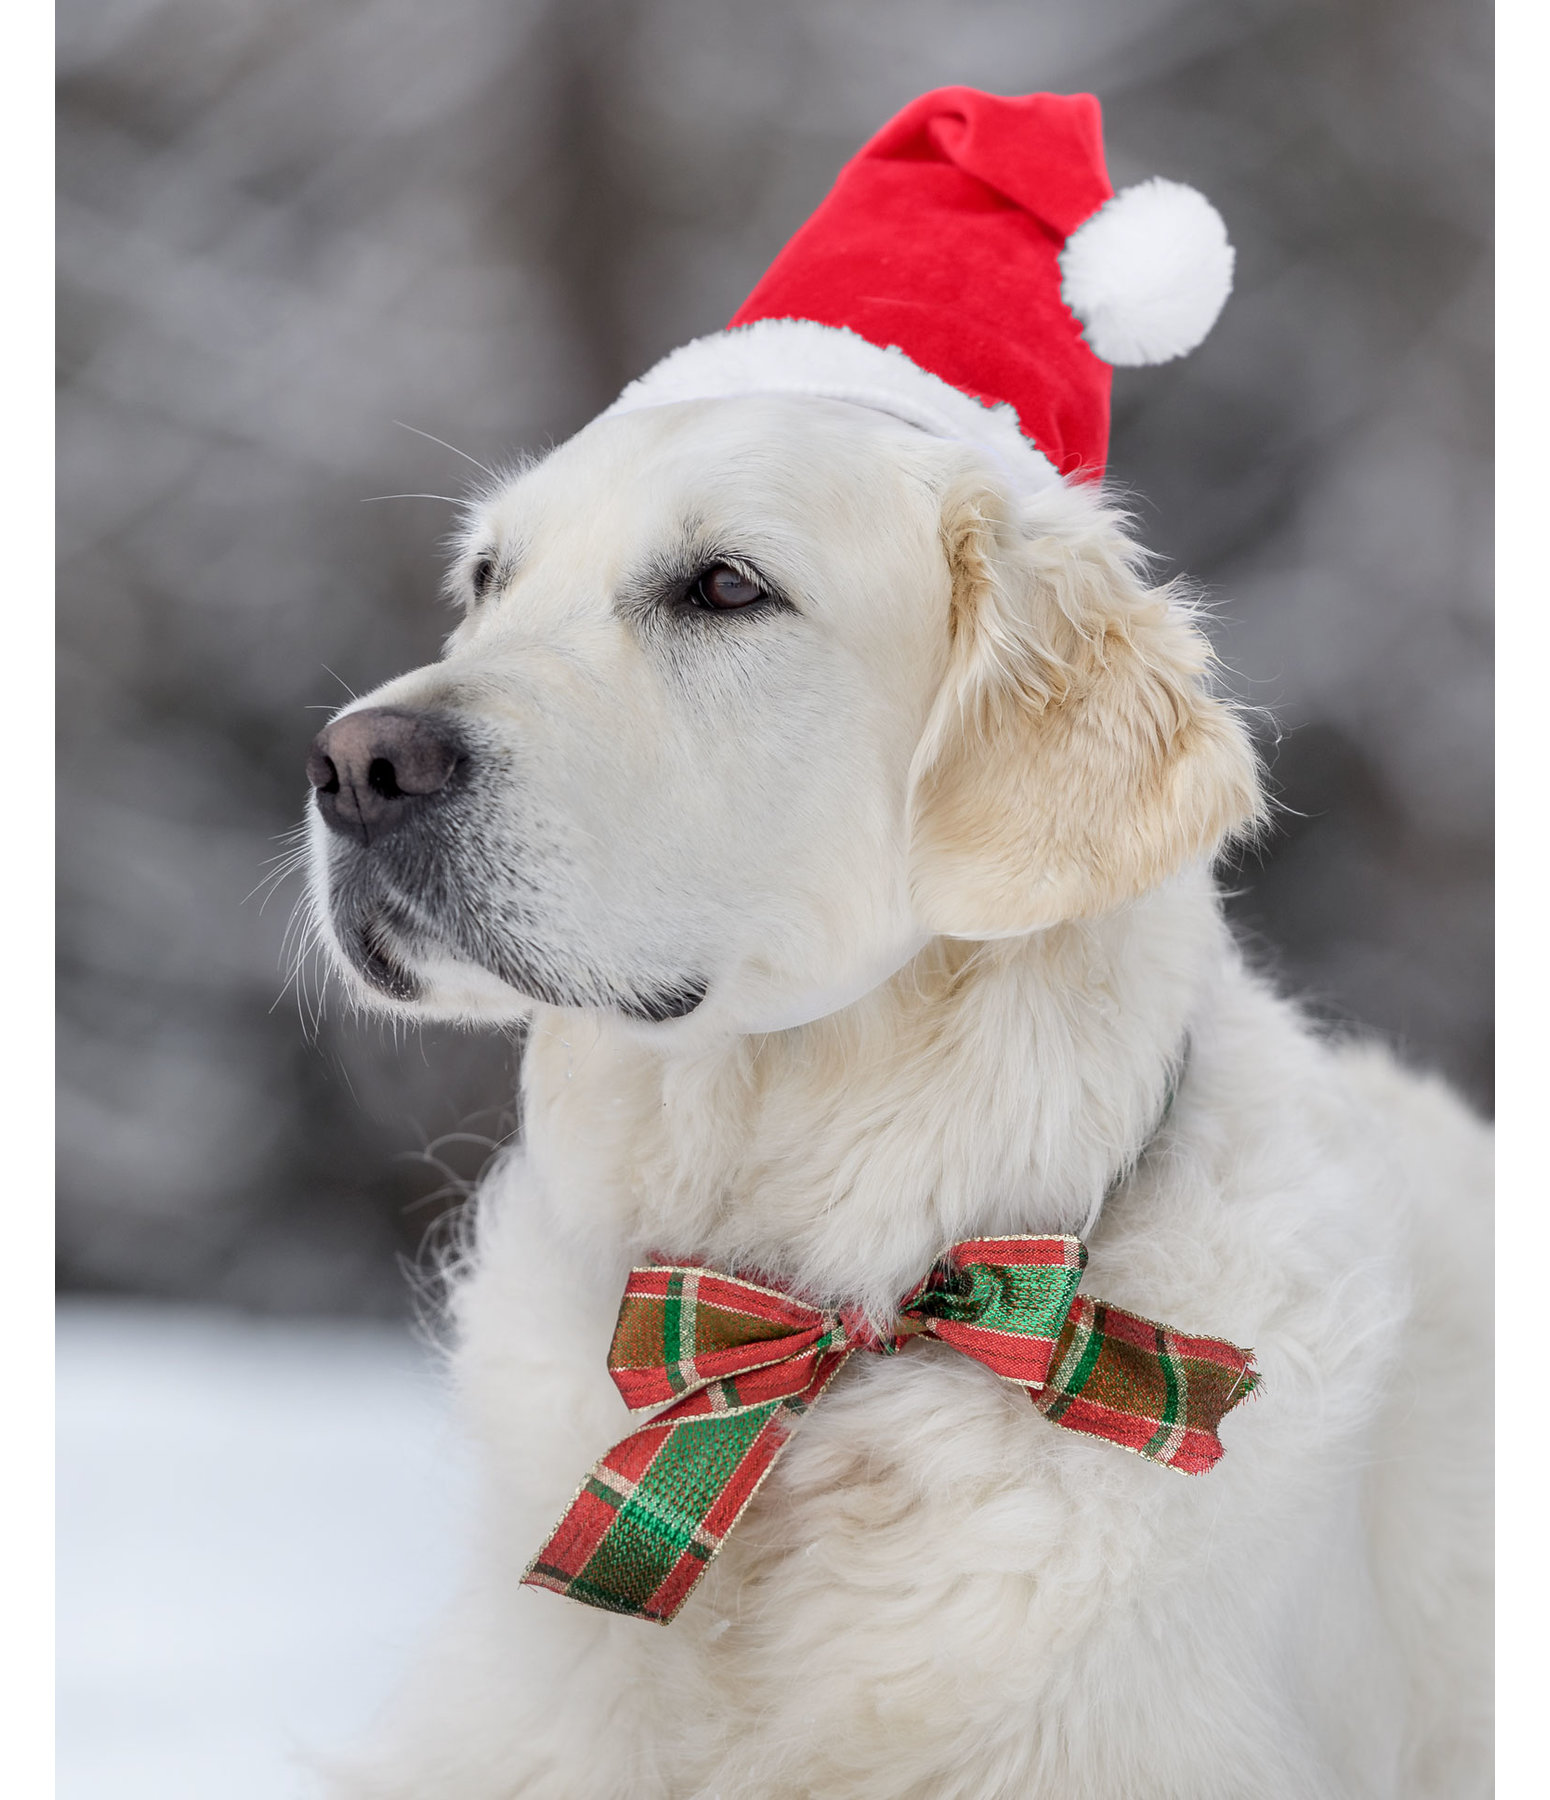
(734, 1364)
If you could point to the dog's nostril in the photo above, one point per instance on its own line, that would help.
(321, 772)
(382, 778)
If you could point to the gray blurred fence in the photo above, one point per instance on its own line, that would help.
(284, 226)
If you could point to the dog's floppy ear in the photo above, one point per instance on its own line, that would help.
(1075, 755)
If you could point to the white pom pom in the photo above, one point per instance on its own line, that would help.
(1148, 273)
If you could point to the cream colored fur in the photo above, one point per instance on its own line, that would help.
(1074, 757)
(956, 809)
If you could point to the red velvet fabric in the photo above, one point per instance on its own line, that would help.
(941, 236)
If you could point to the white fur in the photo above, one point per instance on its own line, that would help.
(1148, 273)
(937, 1595)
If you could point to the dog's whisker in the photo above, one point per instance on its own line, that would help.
(430, 437)
(371, 499)
(288, 863)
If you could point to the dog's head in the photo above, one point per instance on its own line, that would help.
(749, 698)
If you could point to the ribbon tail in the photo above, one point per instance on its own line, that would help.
(1143, 1386)
(647, 1522)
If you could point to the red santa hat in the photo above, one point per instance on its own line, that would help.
(973, 272)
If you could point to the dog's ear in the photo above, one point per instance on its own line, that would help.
(1075, 755)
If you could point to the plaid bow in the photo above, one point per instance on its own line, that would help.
(734, 1365)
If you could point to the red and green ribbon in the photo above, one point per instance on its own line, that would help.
(734, 1365)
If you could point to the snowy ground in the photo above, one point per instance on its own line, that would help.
(255, 1521)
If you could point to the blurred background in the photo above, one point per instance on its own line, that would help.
(288, 230)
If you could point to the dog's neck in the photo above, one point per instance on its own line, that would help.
(985, 1089)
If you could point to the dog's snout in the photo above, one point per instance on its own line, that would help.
(372, 768)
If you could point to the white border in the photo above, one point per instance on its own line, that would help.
(26, 1319)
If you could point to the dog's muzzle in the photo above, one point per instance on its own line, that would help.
(395, 789)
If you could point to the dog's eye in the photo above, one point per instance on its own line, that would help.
(724, 589)
(484, 574)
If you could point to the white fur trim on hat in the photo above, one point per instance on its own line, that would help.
(798, 356)
(1148, 273)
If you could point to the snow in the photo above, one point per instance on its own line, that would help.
(257, 1519)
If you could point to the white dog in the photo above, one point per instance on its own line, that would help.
(839, 822)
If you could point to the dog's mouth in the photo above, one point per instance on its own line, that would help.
(389, 947)
(373, 949)
(660, 1005)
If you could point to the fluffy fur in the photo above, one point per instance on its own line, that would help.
(933, 827)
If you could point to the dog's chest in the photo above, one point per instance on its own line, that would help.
(928, 1549)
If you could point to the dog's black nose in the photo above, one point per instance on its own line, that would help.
(373, 768)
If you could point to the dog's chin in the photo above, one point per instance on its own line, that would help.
(398, 966)
(399, 970)
(434, 985)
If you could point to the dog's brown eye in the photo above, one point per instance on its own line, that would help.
(724, 589)
(484, 573)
